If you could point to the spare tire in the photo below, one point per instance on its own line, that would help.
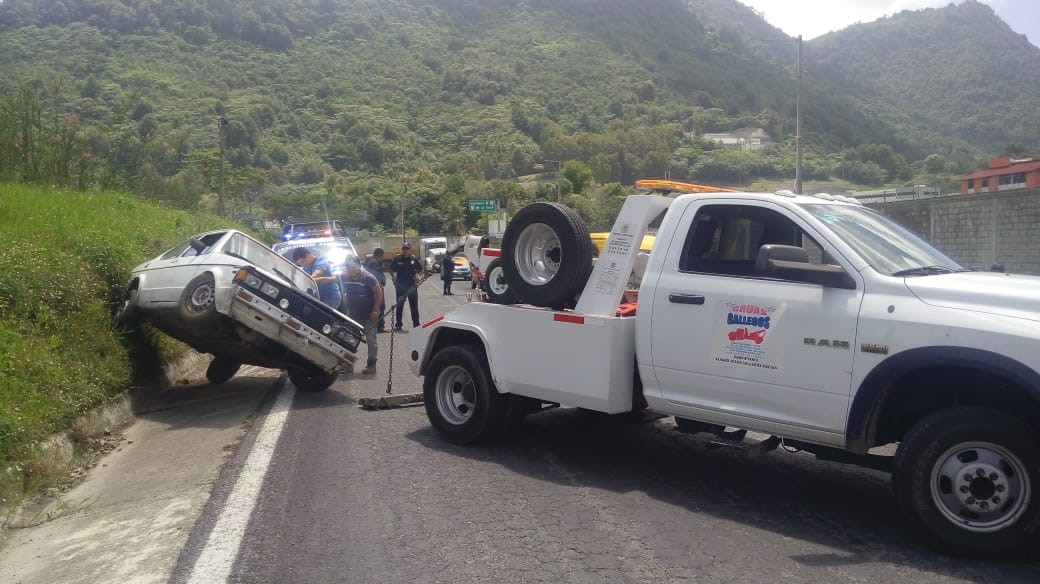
(547, 254)
(496, 286)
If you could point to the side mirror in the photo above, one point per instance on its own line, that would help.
(197, 245)
(788, 262)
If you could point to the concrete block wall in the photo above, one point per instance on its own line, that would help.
(978, 229)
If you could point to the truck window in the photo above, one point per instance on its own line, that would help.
(725, 239)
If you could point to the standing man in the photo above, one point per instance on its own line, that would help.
(328, 283)
(447, 271)
(364, 295)
(374, 266)
(405, 270)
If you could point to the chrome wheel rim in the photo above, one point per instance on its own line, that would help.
(537, 254)
(455, 395)
(980, 487)
(497, 281)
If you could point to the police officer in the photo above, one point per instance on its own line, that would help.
(405, 270)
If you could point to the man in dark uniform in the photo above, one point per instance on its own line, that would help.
(374, 266)
(405, 270)
(447, 273)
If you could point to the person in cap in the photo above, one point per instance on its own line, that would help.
(328, 283)
(405, 270)
(363, 295)
(374, 265)
(447, 272)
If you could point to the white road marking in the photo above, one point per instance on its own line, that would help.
(217, 557)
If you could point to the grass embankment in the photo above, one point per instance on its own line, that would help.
(65, 259)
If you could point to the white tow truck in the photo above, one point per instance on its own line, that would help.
(810, 319)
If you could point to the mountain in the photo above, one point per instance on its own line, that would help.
(370, 105)
(959, 69)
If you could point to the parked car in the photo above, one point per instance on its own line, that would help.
(227, 294)
(335, 249)
(313, 229)
(462, 269)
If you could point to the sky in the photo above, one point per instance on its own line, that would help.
(812, 18)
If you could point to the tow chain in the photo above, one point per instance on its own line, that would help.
(393, 325)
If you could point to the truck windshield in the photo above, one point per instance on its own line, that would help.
(888, 247)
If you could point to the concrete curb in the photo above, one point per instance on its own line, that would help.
(57, 459)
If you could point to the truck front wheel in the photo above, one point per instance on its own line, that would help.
(460, 400)
(970, 475)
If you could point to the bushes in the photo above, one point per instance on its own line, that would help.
(65, 260)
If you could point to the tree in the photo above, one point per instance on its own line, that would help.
(578, 173)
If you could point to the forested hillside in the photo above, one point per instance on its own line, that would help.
(958, 68)
(367, 105)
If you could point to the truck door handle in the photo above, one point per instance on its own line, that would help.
(686, 298)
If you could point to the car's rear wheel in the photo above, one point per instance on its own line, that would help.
(198, 300)
(312, 379)
(221, 369)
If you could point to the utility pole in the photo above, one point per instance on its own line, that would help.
(404, 192)
(222, 125)
(558, 163)
(798, 125)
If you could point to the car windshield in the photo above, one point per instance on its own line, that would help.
(337, 253)
(263, 257)
(888, 247)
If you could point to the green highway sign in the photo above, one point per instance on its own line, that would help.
(483, 205)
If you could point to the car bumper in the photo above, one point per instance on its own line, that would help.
(251, 311)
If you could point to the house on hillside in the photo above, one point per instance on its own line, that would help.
(743, 139)
(1003, 174)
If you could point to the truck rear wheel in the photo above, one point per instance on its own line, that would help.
(970, 475)
(460, 400)
(495, 285)
(547, 254)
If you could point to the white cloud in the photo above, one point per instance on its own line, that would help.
(812, 18)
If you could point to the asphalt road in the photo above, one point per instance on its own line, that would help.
(361, 496)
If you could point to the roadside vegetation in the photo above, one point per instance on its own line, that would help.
(368, 111)
(65, 260)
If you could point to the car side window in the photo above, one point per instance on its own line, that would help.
(725, 239)
(176, 252)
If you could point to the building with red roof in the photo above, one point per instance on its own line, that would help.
(1003, 174)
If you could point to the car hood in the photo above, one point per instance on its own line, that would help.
(1011, 295)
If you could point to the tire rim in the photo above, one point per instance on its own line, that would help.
(980, 487)
(497, 281)
(201, 298)
(537, 254)
(456, 396)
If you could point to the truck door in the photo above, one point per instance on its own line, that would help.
(731, 343)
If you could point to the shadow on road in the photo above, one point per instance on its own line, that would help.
(849, 509)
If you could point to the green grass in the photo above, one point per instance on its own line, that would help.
(65, 258)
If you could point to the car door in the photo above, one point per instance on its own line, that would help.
(168, 276)
(732, 343)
